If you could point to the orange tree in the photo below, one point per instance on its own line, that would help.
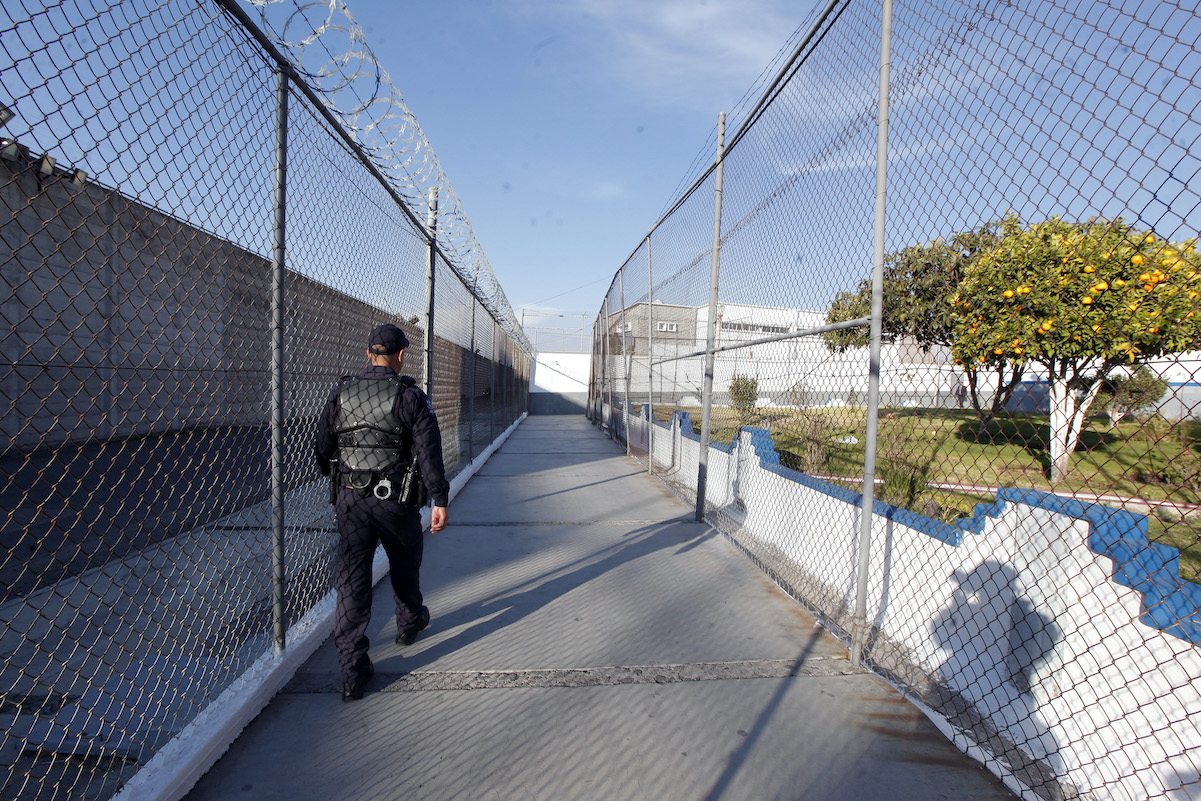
(919, 282)
(1077, 299)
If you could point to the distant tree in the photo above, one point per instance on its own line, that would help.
(1123, 395)
(1078, 299)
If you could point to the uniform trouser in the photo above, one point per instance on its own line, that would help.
(364, 523)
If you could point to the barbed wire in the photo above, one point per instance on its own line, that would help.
(327, 46)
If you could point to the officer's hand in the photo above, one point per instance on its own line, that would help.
(438, 519)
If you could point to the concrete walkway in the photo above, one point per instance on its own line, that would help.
(590, 641)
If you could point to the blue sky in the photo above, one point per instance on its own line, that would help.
(567, 126)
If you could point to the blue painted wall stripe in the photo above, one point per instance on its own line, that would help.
(1169, 603)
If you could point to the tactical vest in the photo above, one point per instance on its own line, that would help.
(369, 435)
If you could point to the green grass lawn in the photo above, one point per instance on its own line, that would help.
(917, 448)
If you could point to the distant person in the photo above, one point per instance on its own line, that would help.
(372, 426)
(960, 394)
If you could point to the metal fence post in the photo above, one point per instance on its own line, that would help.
(859, 623)
(431, 225)
(650, 370)
(602, 348)
(711, 337)
(611, 379)
(278, 272)
(591, 412)
(471, 382)
(492, 388)
(625, 356)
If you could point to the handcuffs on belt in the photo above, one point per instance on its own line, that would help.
(365, 483)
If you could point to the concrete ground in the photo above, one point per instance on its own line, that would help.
(591, 641)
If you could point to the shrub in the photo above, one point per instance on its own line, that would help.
(902, 479)
(744, 392)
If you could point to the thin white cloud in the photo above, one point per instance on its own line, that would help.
(695, 49)
(607, 190)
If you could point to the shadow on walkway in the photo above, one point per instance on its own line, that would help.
(591, 641)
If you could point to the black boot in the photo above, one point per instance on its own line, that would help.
(353, 690)
(407, 636)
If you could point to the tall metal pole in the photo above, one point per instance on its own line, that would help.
(492, 387)
(711, 337)
(604, 356)
(471, 380)
(859, 625)
(278, 262)
(625, 356)
(650, 370)
(593, 350)
(431, 224)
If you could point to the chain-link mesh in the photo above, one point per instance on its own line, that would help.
(1034, 554)
(136, 194)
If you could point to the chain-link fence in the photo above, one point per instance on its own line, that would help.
(1022, 431)
(558, 332)
(195, 247)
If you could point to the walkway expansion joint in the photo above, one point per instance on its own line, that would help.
(423, 681)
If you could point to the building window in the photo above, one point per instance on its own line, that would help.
(669, 327)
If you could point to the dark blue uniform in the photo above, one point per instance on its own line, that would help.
(364, 521)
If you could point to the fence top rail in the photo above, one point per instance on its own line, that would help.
(821, 329)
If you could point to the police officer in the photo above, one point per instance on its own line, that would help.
(373, 425)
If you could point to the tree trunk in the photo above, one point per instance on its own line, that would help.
(1062, 441)
(1067, 420)
(1001, 396)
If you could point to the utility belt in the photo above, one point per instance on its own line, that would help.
(406, 489)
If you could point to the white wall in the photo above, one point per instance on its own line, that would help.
(561, 373)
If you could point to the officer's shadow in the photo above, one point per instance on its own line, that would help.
(1000, 649)
(508, 605)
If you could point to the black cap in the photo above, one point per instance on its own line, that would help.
(387, 339)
